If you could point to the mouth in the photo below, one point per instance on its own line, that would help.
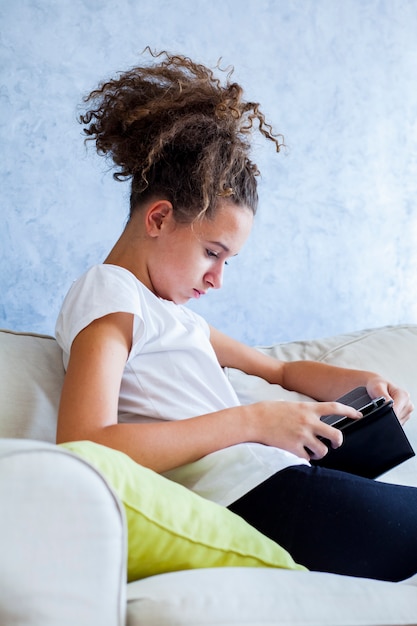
(198, 294)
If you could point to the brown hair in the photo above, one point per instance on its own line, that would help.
(177, 132)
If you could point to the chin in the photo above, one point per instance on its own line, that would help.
(178, 299)
(175, 299)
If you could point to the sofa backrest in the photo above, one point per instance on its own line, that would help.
(390, 351)
(31, 376)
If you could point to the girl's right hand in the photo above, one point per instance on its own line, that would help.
(296, 426)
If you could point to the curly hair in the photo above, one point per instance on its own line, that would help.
(175, 130)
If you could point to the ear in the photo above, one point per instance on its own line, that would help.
(159, 216)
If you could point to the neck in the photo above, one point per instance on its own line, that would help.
(130, 251)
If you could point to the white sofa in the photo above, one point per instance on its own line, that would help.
(63, 531)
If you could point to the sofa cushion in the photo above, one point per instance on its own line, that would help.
(31, 375)
(170, 528)
(263, 597)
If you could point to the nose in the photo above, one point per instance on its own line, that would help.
(214, 278)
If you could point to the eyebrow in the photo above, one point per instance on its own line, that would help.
(220, 244)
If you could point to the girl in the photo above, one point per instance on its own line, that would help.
(144, 373)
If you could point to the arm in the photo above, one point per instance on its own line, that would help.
(316, 380)
(89, 403)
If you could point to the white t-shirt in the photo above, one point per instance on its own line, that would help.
(171, 373)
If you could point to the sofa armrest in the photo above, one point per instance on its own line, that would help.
(62, 540)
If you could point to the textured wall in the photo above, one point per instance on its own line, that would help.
(335, 242)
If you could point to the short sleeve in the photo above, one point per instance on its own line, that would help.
(102, 290)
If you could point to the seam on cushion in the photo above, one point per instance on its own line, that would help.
(349, 342)
(23, 333)
(364, 335)
(61, 450)
(354, 336)
(206, 545)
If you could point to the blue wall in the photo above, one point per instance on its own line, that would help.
(335, 243)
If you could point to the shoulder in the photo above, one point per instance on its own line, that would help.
(102, 290)
(106, 275)
(104, 283)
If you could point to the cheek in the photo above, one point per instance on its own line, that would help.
(176, 268)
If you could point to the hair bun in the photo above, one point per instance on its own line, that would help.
(172, 126)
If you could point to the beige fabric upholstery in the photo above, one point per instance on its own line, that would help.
(31, 375)
(62, 540)
(62, 531)
(264, 597)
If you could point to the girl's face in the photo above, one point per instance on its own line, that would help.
(189, 259)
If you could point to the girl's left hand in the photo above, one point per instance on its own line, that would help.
(403, 407)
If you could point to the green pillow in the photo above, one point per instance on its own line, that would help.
(171, 528)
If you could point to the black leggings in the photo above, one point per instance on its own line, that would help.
(332, 521)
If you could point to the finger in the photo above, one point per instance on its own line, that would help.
(337, 408)
(333, 437)
(403, 406)
(380, 388)
(404, 418)
(316, 449)
(305, 453)
(404, 413)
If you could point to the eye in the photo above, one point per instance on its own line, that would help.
(214, 255)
